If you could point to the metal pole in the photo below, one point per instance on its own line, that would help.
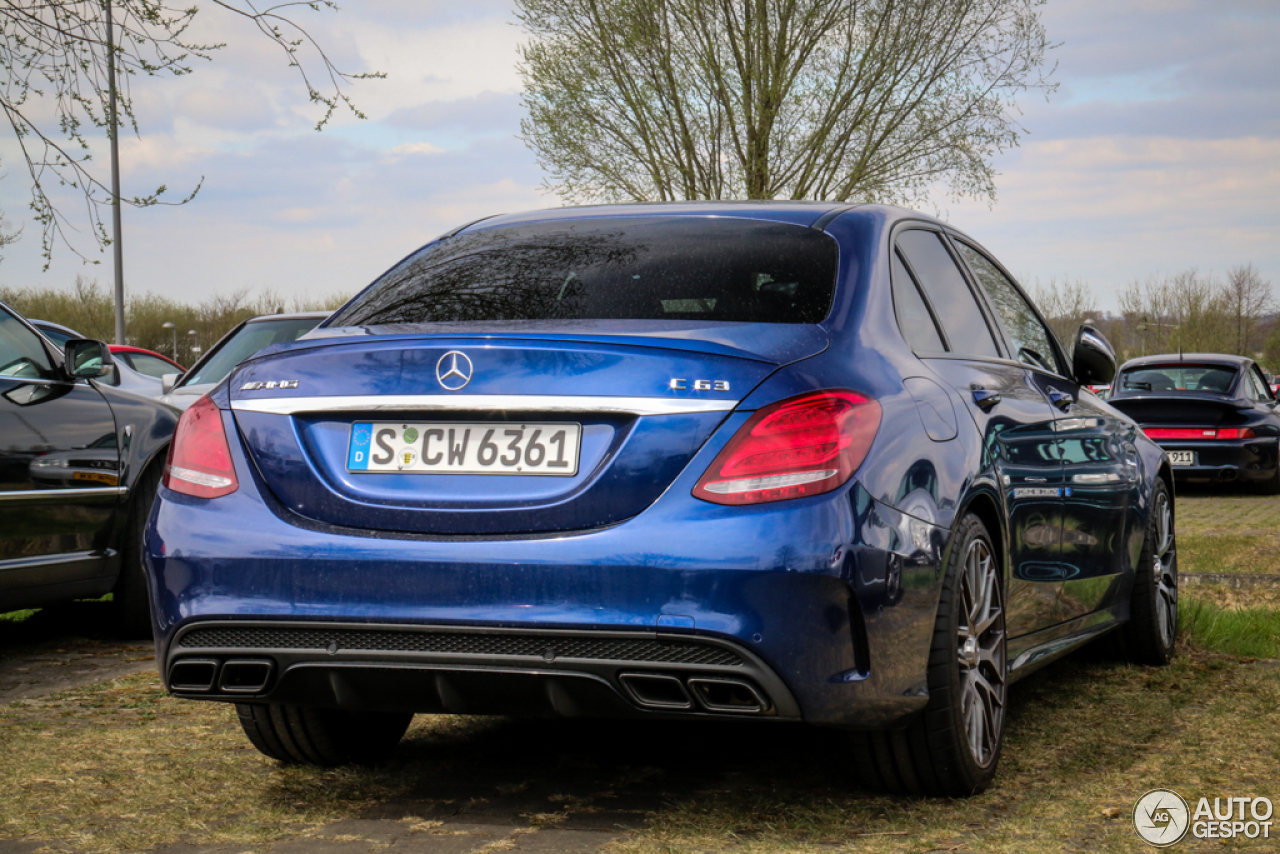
(113, 132)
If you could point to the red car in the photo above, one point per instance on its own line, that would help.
(147, 362)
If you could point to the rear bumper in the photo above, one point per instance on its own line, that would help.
(828, 602)
(1223, 461)
(454, 670)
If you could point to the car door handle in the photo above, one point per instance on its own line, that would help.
(1060, 399)
(985, 398)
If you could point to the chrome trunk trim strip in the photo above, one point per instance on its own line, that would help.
(481, 403)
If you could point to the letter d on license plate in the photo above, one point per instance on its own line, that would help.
(453, 447)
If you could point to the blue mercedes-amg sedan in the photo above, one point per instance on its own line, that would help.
(781, 461)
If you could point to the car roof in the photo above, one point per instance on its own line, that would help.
(52, 325)
(796, 212)
(1193, 358)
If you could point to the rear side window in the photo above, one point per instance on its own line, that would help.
(913, 315)
(948, 293)
(1029, 337)
(21, 353)
(1177, 377)
(1259, 390)
(626, 268)
(150, 365)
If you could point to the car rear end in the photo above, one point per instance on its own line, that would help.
(1194, 412)
(548, 469)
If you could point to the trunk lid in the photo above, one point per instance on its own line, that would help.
(1181, 409)
(328, 421)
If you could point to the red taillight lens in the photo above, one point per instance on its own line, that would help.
(199, 460)
(1199, 432)
(806, 445)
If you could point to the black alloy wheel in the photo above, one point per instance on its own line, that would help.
(1153, 606)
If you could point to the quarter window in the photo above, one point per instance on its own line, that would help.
(913, 315)
(948, 293)
(1029, 337)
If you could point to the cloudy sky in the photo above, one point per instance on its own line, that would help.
(1160, 151)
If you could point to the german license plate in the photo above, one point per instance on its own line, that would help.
(453, 447)
(1182, 458)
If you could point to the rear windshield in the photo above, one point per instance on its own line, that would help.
(1178, 377)
(634, 268)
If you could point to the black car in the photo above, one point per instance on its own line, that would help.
(1214, 415)
(79, 465)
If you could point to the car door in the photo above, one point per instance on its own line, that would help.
(59, 473)
(1100, 462)
(1007, 402)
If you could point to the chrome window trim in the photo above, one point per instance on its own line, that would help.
(54, 495)
(481, 403)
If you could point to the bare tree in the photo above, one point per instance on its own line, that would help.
(832, 99)
(1186, 312)
(1065, 305)
(1248, 299)
(54, 59)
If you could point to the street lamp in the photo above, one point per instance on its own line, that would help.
(195, 338)
(170, 325)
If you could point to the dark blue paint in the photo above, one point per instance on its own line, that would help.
(837, 593)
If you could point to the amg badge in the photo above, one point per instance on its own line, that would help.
(254, 386)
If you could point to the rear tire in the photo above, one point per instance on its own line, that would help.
(953, 748)
(302, 735)
(1153, 606)
(131, 597)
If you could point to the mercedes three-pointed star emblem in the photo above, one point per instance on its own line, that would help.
(453, 370)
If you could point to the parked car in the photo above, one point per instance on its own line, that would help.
(79, 468)
(122, 374)
(1214, 415)
(144, 361)
(767, 461)
(247, 338)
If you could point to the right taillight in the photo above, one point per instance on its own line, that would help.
(801, 446)
(199, 461)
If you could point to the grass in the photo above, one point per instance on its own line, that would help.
(1252, 632)
(1231, 553)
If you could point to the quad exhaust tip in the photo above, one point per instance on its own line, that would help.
(655, 691)
(728, 695)
(668, 693)
(234, 676)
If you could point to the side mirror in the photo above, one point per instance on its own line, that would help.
(1093, 359)
(168, 381)
(86, 359)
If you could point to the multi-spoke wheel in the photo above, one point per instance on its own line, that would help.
(1153, 607)
(980, 639)
(954, 747)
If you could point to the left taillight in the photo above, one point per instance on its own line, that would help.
(199, 461)
(802, 446)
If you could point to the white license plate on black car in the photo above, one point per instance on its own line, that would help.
(1182, 458)
(453, 447)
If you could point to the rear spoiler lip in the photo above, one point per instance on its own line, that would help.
(1181, 397)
